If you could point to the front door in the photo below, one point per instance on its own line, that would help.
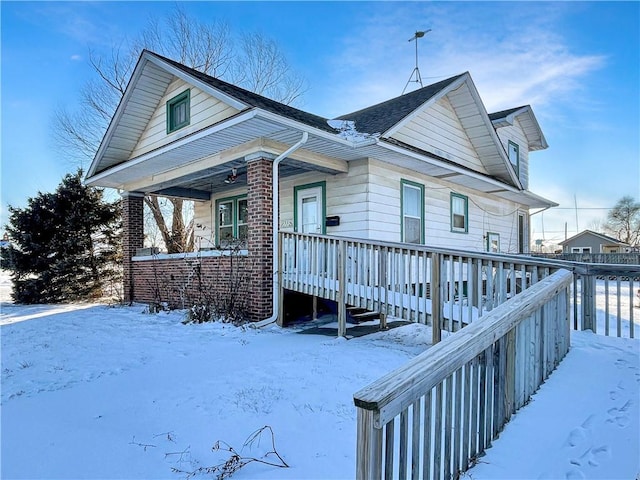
(309, 201)
(310, 210)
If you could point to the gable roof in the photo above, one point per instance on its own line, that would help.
(607, 238)
(503, 113)
(255, 117)
(383, 116)
(252, 99)
(528, 121)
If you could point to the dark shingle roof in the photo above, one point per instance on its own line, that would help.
(504, 113)
(375, 119)
(381, 117)
(253, 99)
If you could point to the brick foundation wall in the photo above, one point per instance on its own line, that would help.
(183, 282)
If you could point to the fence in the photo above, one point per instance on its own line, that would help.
(606, 258)
(430, 418)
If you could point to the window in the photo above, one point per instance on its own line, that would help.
(412, 206)
(580, 249)
(232, 219)
(178, 111)
(493, 242)
(514, 156)
(459, 213)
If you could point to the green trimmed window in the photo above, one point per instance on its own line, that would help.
(493, 242)
(178, 111)
(459, 213)
(514, 156)
(412, 206)
(232, 219)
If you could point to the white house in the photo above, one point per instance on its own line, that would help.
(430, 167)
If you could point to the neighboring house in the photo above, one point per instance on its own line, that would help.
(429, 167)
(593, 242)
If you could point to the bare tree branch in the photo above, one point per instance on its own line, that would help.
(258, 64)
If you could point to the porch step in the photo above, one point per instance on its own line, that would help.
(357, 314)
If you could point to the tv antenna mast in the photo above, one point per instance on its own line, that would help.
(416, 70)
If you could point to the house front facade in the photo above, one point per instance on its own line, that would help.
(429, 167)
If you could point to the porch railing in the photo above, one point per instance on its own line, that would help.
(446, 288)
(419, 283)
(431, 417)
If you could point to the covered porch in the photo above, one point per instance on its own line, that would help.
(242, 262)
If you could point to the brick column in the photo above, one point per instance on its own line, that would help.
(260, 235)
(132, 238)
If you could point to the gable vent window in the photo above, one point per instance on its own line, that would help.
(514, 156)
(178, 111)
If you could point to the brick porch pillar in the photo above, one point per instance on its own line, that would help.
(260, 234)
(132, 238)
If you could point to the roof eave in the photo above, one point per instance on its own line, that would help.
(539, 143)
(115, 119)
(145, 58)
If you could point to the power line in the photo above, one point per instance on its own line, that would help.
(583, 208)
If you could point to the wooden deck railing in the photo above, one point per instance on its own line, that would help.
(419, 283)
(413, 282)
(606, 298)
(431, 417)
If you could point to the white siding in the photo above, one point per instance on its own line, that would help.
(367, 200)
(204, 221)
(205, 110)
(438, 130)
(516, 134)
(346, 195)
(486, 214)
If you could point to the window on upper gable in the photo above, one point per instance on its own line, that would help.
(459, 213)
(514, 156)
(178, 111)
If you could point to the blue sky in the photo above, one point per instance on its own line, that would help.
(577, 64)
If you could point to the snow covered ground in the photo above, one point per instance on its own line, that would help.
(91, 391)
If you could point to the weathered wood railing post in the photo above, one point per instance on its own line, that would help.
(368, 447)
(382, 287)
(510, 375)
(342, 288)
(436, 302)
(588, 302)
(280, 269)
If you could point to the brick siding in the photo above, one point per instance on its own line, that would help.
(132, 238)
(182, 281)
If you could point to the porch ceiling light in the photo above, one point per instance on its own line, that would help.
(232, 177)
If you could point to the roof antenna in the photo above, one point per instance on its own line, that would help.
(416, 70)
